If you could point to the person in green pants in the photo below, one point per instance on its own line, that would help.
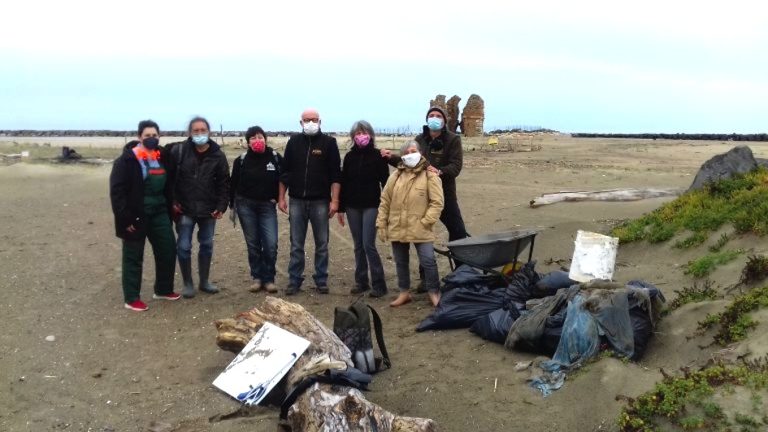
(141, 205)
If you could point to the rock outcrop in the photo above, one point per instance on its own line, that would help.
(737, 160)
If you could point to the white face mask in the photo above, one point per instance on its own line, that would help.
(411, 159)
(311, 128)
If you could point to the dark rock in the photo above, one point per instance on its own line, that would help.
(762, 162)
(738, 160)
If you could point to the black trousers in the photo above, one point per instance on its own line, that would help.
(451, 218)
(454, 223)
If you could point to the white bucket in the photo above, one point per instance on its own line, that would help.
(594, 257)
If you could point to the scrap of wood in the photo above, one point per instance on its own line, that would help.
(322, 407)
(604, 195)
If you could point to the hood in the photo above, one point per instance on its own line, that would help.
(128, 148)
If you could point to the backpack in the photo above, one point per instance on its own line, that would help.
(353, 326)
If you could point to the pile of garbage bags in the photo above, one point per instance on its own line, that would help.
(549, 314)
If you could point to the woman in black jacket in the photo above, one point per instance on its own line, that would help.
(363, 175)
(141, 201)
(253, 195)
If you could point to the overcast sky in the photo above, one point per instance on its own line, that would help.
(574, 66)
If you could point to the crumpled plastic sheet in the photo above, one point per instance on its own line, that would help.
(548, 382)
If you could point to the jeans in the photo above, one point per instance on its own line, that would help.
(259, 222)
(426, 253)
(300, 213)
(362, 224)
(160, 236)
(184, 228)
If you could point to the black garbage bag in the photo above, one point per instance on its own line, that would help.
(495, 326)
(467, 277)
(522, 286)
(642, 329)
(553, 281)
(642, 314)
(460, 307)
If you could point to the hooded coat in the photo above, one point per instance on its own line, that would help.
(411, 203)
(126, 193)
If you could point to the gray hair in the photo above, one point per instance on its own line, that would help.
(407, 145)
(362, 125)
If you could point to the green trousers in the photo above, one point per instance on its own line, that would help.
(160, 235)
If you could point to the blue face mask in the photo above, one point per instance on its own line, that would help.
(434, 123)
(200, 139)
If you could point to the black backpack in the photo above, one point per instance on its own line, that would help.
(353, 326)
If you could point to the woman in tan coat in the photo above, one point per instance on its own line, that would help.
(411, 203)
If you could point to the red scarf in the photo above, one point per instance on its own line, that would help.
(144, 154)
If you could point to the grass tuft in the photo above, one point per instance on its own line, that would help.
(705, 265)
(741, 201)
(735, 321)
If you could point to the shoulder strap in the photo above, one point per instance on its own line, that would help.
(380, 337)
(275, 161)
(242, 158)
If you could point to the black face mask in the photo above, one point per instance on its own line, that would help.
(150, 143)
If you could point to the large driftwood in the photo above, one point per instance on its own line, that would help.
(322, 407)
(604, 195)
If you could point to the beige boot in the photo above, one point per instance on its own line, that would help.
(270, 287)
(403, 298)
(255, 286)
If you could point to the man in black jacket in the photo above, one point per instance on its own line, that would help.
(199, 172)
(311, 174)
(444, 153)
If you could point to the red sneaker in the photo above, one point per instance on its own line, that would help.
(138, 306)
(171, 296)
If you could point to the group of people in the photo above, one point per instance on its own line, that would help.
(188, 184)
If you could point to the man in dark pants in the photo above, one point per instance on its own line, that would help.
(443, 151)
(200, 176)
(311, 173)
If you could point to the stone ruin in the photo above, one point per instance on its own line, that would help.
(471, 123)
(453, 113)
(472, 117)
(438, 101)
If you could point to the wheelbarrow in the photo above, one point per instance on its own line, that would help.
(490, 251)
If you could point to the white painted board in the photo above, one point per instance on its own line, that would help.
(267, 357)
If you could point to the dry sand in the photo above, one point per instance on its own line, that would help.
(113, 370)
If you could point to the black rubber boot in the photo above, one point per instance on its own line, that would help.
(359, 289)
(185, 266)
(204, 269)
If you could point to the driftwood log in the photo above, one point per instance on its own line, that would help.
(322, 407)
(604, 195)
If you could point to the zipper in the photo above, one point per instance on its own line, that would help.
(306, 166)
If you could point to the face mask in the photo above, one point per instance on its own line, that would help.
(258, 146)
(362, 140)
(411, 159)
(150, 143)
(434, 123)
(311, 128)
(200, 139)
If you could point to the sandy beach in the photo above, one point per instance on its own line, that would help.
(109, 369)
